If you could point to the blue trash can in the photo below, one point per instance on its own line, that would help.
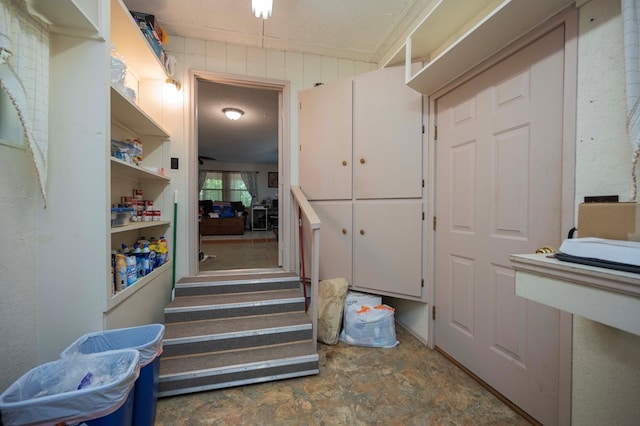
(96, 389)
(147, 339)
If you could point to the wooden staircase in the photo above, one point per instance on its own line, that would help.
(235, 330)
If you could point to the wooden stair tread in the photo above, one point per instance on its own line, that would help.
(234, 324)
(227, 360)
(235, 277)
(231, 298)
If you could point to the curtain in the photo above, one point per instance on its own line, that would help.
(250, 180)
(24, 76)
(202, 178)
(631, 27)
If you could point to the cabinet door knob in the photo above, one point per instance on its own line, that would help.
(344, 162)
(362, 232)
(362, 161)
(344, 231)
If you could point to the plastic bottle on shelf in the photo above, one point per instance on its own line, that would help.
(132, 274)
(152, 260)
(113, 272)
(162, 242)
(121, 272)
(146, 268)
(137, 254)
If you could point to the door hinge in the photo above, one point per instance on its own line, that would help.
(300, 106)
(434, 223)
(422, 215)
(422, 283)
(423, 183)
(423, 129)
(433, 312)
(435, 133)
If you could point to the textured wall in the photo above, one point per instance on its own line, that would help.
(606, 375)
(603, 156)
(606, 361)
(19, 201)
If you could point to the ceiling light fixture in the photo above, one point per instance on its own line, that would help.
(233, 113)
(262, 8)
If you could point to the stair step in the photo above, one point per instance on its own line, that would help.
(232, 276)
(245, 283)
(234, 333)
(196, 308)
(230, 330)
(185, 374)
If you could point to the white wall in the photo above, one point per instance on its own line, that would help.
(19, 202)
(299, 69)
(606, 361)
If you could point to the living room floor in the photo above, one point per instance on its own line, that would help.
(253, 249)
(409, 384)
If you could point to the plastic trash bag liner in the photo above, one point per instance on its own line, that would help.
(147, 339)
(369, 326)
(71, 390)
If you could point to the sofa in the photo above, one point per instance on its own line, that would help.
(231, 218)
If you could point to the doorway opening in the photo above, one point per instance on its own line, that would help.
(237, 195)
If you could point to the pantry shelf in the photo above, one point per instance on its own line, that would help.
(129, 115)
(123, 295)
(70, 17)
(138, 173)
(140, 225)
(132, 44)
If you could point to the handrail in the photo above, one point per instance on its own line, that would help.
(309, 217)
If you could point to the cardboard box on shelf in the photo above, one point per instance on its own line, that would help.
(613, 221)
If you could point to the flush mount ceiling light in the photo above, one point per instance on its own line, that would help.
(233, 113)
(262, 8)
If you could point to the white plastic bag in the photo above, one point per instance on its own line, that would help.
(369, 326)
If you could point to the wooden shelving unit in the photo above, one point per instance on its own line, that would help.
(128, 121)
(457, 35)
(72, 17)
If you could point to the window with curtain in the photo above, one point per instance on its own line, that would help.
(224, 186)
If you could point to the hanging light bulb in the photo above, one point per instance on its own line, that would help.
(262, 8)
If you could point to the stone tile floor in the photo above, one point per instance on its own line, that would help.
(406, 385)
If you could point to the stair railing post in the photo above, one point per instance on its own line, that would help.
(315, 256)
(311, 218)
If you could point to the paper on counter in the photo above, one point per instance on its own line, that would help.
(620, 251)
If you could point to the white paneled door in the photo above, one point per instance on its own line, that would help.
(498, 192)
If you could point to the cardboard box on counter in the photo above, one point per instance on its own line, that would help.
(614, 221)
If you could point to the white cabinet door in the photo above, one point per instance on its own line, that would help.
(388, 247)
(387, 136)
(336, 238)
(325, 127)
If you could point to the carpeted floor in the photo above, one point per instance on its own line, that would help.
(251, 250)
(406, 385)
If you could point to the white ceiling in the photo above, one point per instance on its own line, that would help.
(363, 30)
